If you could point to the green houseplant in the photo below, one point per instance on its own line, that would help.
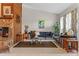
(56, 28)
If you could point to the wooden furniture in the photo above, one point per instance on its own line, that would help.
(10, 16)
(19, 37)
(25, 36)
(68, 43)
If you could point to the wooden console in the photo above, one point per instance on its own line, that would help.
(68, 43)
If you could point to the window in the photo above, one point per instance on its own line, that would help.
(68, 22)
(61, 24)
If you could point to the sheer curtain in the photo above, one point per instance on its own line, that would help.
(74, 20)
(61, 24)
(68, 22)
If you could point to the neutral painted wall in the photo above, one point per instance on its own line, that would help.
(31, 17)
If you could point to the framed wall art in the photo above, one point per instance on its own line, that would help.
(6, 10)
(41, 24)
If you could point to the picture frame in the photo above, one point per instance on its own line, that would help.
(41, 24)
(7, 10)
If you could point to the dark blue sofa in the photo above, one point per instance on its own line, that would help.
(45, 34)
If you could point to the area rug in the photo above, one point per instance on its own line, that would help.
(42, 44)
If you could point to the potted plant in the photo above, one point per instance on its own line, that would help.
(56, 28)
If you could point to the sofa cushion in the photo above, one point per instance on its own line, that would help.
(45, 34)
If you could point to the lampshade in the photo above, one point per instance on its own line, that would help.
(70, 32)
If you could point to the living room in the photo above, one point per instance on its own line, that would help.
(42, 24)
(50, 19)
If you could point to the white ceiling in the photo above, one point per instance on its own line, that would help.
(49, 7)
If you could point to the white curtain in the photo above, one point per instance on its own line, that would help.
(68, 22)
(74, 20)
(61, 24)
